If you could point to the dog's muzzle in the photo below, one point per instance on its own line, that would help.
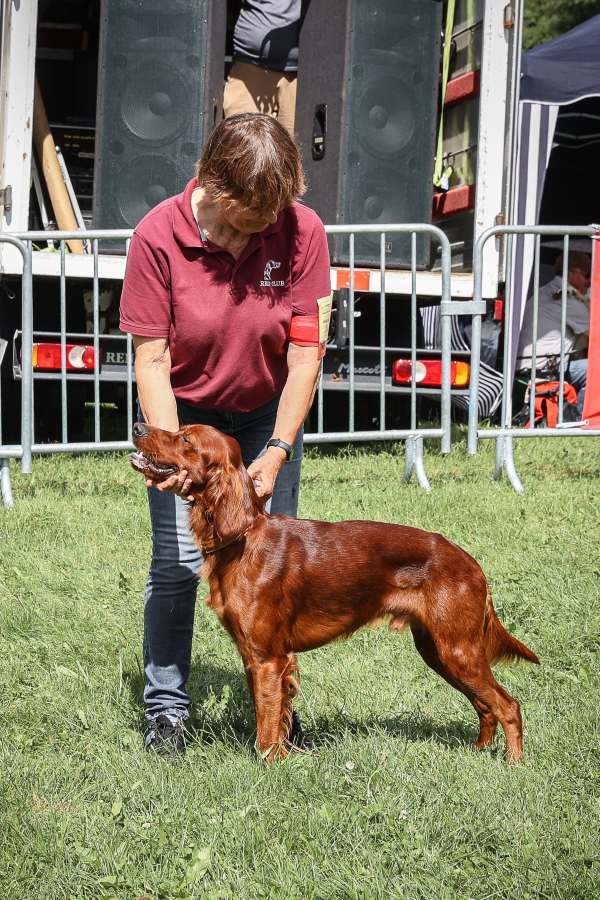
(143, 463)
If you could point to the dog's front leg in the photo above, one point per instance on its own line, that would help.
(270, 680)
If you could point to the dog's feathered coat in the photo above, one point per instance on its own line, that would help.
(281, 586)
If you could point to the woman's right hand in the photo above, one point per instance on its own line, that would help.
(152, 372)
(179, 484)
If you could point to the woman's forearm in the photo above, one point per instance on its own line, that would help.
(152, 373)
(298, 393)
(294, 404)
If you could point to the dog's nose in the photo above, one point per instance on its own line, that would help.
(140, 430)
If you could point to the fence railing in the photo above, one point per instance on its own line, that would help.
(539, 366)
(412, 435)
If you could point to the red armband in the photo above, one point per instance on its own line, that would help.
(304, 331)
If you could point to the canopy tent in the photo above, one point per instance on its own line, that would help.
(554, 75)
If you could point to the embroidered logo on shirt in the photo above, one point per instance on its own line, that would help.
(267, 275)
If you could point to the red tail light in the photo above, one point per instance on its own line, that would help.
(429, 372)
(80, 357)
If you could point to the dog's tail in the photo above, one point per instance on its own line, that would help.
(500, 646)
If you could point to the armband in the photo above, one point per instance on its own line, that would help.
(304, 331)
(311, 331)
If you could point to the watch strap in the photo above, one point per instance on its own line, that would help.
(277, 442)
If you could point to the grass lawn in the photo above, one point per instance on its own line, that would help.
(397, 805)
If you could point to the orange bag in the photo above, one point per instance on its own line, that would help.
(546, 404)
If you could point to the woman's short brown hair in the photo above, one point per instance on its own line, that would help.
(251, 160)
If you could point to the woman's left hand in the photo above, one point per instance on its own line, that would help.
(264, 471)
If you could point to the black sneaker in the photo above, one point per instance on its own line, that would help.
(165, 738)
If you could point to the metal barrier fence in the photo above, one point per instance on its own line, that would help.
(413, 435)
(507, 432)
(25, 242)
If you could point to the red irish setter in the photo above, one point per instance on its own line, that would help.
(281, 586)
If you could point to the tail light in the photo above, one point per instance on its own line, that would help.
(429, 372)
(80, 357)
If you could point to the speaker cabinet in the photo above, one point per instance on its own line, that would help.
(161, 88)
(366, 119)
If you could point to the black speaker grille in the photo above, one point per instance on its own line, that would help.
(385, 117)
(155, 104)
(143, 183)
(391, 116)
(161, 68)
(375, 65)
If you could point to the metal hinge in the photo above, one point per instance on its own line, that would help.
(509, 15)
(6, 198)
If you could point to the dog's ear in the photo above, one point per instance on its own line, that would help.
(230, 500)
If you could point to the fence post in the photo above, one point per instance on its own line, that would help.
(26, 352)
(5, 485)
(446, 346)
(473, 418)
(27, 364)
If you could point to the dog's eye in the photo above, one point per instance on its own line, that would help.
(185, 440)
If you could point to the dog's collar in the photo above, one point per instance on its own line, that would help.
(214, 546)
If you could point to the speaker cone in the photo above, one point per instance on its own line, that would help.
(385, 119)
(144, 183)
(155, 103)
(378, 198)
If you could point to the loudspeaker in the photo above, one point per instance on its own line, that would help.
(366, 119)
(160, 82)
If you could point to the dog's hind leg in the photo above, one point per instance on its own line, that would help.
(274, 687)
(468, 666)
(487, 720)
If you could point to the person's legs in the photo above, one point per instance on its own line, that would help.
(250, 89)
(287, 487)
(285, 98)
(577, 375)
(169, 605)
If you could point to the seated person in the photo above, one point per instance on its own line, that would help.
(549, 322)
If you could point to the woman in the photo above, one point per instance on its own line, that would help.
(221, 296)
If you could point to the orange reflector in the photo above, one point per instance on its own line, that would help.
(362, 279)
(428, 372)
(463, 373)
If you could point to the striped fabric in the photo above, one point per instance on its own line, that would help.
(536, 126)
(490, 381)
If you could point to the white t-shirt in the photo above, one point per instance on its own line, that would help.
(549, 319)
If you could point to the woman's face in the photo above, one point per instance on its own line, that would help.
(245, 220)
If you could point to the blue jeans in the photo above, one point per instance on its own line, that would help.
(577, 375)
(170, 597)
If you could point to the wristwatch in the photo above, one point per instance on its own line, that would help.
(289, 450)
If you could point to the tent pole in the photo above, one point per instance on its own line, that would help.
(513, 112)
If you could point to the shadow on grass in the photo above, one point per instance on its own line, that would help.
(409, 728)
(221, 705)
(222, 712)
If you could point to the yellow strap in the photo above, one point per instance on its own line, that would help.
(438, 171)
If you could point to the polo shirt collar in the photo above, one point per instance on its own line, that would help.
(185, 227)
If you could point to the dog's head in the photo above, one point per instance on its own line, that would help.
(221, 485)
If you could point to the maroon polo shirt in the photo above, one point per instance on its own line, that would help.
(227, 321)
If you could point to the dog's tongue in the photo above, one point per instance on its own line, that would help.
(139, 462)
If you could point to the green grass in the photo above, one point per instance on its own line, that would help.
(397, 805)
